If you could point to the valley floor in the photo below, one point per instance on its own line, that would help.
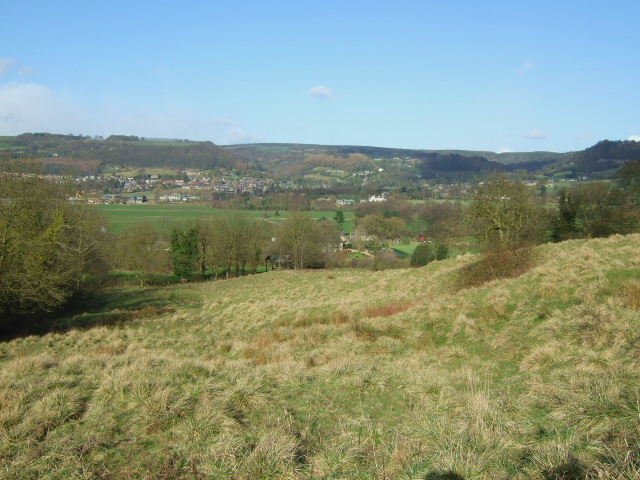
(344, 375)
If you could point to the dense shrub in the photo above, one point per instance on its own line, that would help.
(496, 264)
(50, 250)
(594, 210)
(441, 251)
(422, 255)
(184, 251)
(425, 253)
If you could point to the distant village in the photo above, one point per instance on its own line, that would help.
(201, 187)
(193, 187)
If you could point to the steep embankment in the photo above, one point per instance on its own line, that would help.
(346, 374)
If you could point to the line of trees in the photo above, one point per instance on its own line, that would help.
(224, 246)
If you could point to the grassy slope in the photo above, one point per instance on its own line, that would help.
(343, 374)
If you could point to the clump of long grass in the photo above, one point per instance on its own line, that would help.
(631, 295)
(387, 310)
(496, 265)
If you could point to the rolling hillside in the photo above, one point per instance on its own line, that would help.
(341, 374)
(85, 153)
(269, 151)
(602, 159)
(286, 160)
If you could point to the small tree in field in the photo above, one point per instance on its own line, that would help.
(184, 251)
(339, 218)
(506, 215)
(629, 179)
(422, 255)
(425, 253)
(306, 240)
(507, 219)
(441, 251)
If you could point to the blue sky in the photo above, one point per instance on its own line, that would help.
(490, 75)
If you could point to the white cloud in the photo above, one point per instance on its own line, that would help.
(240, 135)
(320, 92)
(634, 138)
(504, 150)
(536, 135)
(29, 107)
(235, 133)
(6, 64)
(527, 65)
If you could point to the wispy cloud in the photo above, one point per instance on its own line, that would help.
(26, 70)
(234, 133)
(6, 64)
(535, 135)
(634, 138)
(504, 150)
(526, 66)
(320, 92)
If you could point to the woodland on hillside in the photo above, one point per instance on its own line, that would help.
(88, 154)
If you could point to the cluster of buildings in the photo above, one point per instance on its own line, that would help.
(191, 187)
(453, 191)
(235, 184)
(350, 202)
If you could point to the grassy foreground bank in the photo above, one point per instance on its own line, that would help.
(343, 374)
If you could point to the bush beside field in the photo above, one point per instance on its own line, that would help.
(343, 374)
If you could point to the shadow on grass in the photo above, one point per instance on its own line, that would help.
(443, 476)
(111, 307)
(571, 469)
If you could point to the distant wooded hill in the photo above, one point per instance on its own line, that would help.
(268, 152)
(602, 159)
(290, 160)
(125, 151)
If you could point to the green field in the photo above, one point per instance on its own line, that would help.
(406, 249)
(121, 217)
(9, 142)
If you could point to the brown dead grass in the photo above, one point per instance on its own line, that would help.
(387, 310)
(495, 266)
(631, 295)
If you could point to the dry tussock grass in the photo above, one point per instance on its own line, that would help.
(631, 295)
(387, 310)
(495, 266)
(293, 375)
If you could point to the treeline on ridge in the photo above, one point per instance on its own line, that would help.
(129, 151)
(294, 160)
